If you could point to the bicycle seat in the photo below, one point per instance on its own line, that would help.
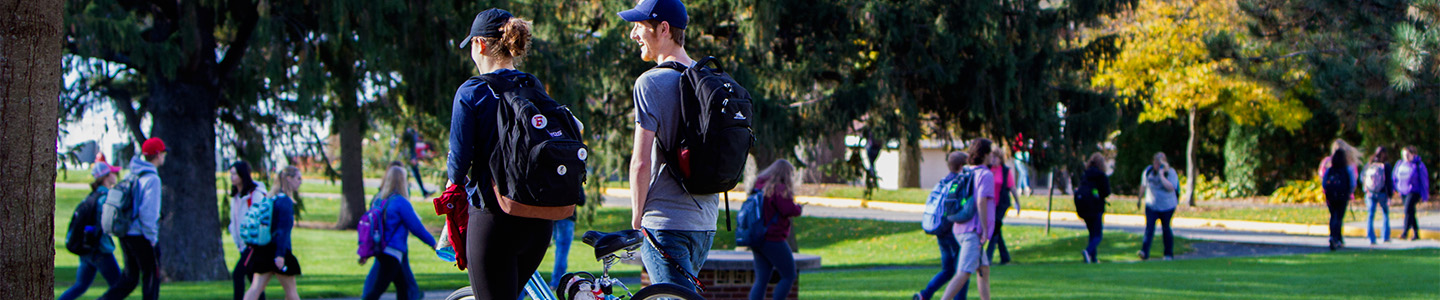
(607, 243)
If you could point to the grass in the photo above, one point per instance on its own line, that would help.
(1406, 274)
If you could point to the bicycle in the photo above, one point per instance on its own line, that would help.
(610, 249)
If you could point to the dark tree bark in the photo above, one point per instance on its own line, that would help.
(352, 178)
(184, 117)
(910, 163)
(29, 86)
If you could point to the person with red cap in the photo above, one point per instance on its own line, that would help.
(142, 262)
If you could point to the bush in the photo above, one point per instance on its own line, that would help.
(1299, 191)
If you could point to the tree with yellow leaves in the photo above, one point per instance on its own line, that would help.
(1166, 66)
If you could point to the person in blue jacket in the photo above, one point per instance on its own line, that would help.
(399, 222)
(101, 260)
(277, 259)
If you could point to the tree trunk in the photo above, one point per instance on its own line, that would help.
(910, 163)
(352, 170)
(184, 117)
(1190, 162)
(29, 84)
(827, 150)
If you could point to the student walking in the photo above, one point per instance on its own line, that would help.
(101, 257)
(971, 235)
(142, 257)
(1412, 181)
(419, 150)
(1158, 184)
(502, 250)
(774, 252)
(1004, 185)
(1090, 203)
(944, 235)
(243, 191)
(681, 224)
(1338, 173)
(277, 259)
(1379, 187)
(400, 221)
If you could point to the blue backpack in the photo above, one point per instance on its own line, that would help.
(934, 221)
(752, 227)
(255, 228)
(960, 202)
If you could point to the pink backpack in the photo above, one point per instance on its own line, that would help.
(372, 230)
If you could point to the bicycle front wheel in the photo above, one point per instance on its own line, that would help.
(666, 291)
(464, 293)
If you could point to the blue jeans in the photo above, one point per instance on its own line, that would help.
(949, 249)
(1095, 224)
(1371, 201)
(564, 234)
(688, 249)
(104, 263)
(1169, 239)
(387, 270)
(773, 255)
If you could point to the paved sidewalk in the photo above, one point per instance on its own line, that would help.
(1194, 228)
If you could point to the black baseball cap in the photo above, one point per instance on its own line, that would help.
(487, 24)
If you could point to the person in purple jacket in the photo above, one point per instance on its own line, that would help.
(400, 221)
(774, 252)
(1412, 182)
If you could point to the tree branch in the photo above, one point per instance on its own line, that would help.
(248, 15)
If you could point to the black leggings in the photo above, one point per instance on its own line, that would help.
(1411, 201)
(1337, 205)
(503, 251)
(241, 275)
(140, 259)
(998, 240)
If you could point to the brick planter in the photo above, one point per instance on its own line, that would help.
(729, 274)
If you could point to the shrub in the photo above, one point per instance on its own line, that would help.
(1299, 191)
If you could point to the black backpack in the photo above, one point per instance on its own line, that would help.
(84, 234)
(714, 129)
(538, 159)
(1336, 183)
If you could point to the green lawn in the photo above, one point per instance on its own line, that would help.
(865, 253)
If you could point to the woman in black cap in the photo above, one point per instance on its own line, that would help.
(502, 250)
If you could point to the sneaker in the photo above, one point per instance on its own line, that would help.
(917, 297)
(1088, 259)
(1142, 255)
(1169, 257)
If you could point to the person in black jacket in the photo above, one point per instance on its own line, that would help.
(1090, 203)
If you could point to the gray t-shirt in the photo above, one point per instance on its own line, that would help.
(1156, 197)
(668, 207)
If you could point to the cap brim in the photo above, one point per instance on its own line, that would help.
(634, 15)
(466, 42)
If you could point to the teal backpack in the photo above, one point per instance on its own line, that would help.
(255, 229)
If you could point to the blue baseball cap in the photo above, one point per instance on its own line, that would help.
(671, 11)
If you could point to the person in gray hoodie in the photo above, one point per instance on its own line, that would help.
(1158, 184)
(139, 243)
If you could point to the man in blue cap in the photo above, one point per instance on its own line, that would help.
(682, 224)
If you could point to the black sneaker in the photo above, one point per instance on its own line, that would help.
(917, 297)
(1142, 255)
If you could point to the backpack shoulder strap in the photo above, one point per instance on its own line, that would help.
(677, 66)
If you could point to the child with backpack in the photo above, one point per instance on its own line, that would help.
(773, 252)
(396, 222)
(243, 191)
(86, 239)
(1378, 189)
(938, 226)
(270, 254)
(1338, 173)
(1412, 181)
(973, 233)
